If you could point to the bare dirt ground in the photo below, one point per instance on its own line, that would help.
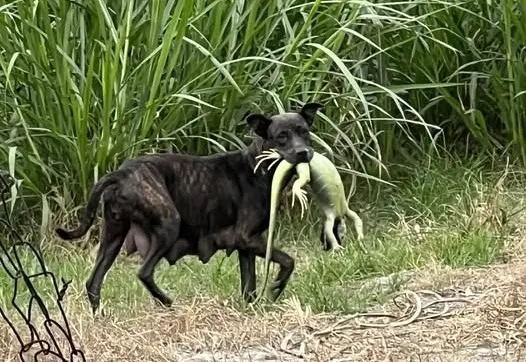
(469, 315)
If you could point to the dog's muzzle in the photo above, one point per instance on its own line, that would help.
(304, 155)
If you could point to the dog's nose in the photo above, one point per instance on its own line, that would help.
(304, 155)
(310, 154)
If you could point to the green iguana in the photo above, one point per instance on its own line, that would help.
(277, 183)
(327, 186)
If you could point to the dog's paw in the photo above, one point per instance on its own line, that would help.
(274, 291)
(164, 302)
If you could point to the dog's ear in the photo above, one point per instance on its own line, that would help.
(259, 123)
(308, 111)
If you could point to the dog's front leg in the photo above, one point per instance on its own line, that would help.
(247, 269)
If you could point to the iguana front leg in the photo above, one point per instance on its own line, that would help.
(303, 171)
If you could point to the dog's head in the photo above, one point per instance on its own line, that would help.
(288, 133)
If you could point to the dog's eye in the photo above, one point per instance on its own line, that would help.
(302, 131)
(283, 137)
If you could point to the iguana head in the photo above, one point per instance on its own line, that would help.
(287, 133)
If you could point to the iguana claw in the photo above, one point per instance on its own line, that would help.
(338, 249)
(274, 162)
(301, 195)
(271, 154)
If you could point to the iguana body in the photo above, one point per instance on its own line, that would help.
(327, 186)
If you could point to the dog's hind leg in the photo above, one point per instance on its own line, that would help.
(181, 248)
(163, 238)
(112, 238)
(247, 269)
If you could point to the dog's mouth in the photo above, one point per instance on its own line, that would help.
(305, 155)
(293, 159)
(275, 156)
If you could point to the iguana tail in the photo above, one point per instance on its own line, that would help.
(89, 213)
(358, 224)
(277, 184)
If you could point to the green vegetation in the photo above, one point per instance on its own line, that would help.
(411, 89)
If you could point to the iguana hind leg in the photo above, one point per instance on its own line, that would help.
(358, 225)
(339, 229)
(328, 227)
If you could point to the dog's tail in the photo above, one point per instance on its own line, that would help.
(89, 213)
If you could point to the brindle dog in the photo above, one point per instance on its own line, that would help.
(177, 199)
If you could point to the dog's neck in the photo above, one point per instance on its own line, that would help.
(254, 149)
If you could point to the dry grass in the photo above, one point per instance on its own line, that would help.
(488, 325)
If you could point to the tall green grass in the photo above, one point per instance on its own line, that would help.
(85, 85)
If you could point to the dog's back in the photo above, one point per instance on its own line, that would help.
(208, 191)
